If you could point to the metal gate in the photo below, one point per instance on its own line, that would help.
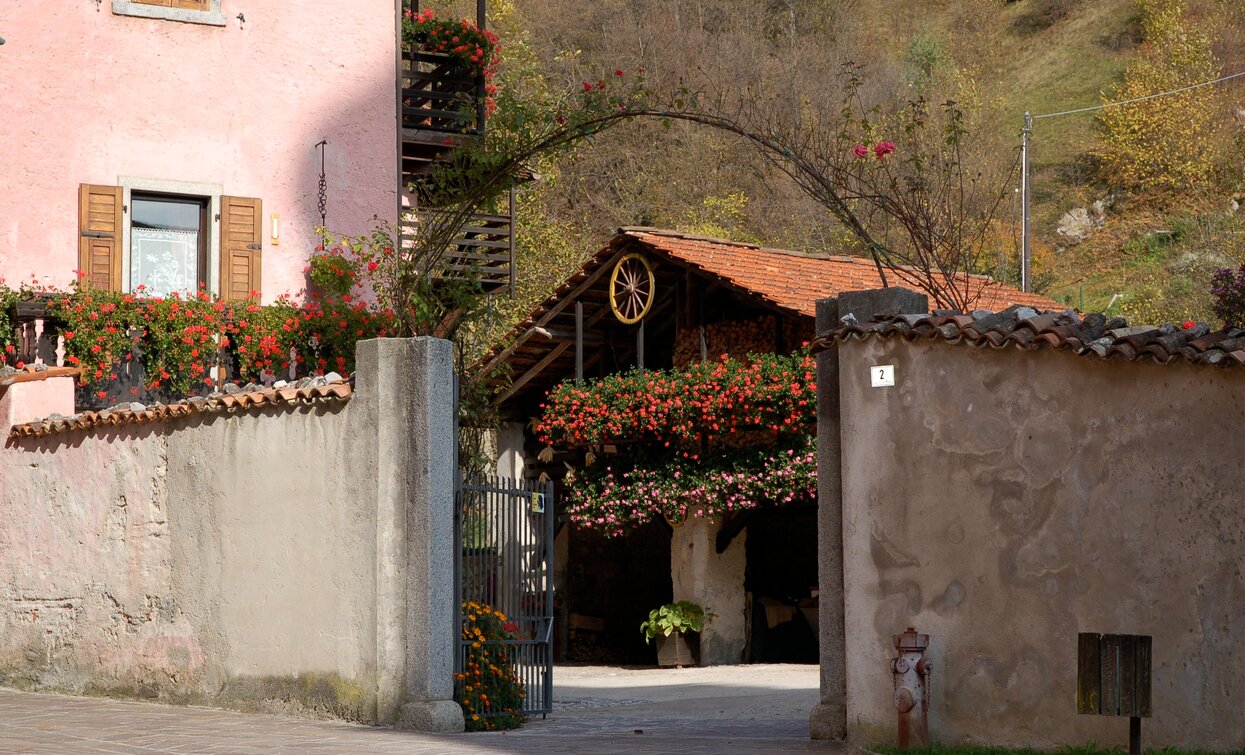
(505, 529)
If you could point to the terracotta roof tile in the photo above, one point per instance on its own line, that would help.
(1091, 335)
(785, 279)
(796, 281)
(306, 391)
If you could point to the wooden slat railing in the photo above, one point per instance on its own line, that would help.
(438, 95)
(483, 251)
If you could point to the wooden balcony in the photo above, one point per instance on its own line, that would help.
(483, 251)
(442, 107)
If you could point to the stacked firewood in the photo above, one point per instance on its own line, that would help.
(738, 338)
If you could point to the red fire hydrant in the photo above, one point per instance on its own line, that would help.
(911, 670)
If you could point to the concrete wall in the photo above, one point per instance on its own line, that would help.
(1005, 501)
(296, 560)
(97, 97)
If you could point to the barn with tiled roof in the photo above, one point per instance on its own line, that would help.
(708, 297)
(659, 299)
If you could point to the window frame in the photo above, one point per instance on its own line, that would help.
(202, 279)
(209, 194)
(214, 16)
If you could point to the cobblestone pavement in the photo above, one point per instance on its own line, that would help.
(752, 709)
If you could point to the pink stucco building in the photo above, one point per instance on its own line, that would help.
(172, 143)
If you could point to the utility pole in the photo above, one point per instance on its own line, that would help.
(1025, 255)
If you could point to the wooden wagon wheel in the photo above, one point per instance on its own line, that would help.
(631, 288)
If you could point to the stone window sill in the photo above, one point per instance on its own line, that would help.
(213, 17)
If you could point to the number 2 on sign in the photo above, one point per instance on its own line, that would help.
(882, 376)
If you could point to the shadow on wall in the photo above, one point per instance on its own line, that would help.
(359, 164)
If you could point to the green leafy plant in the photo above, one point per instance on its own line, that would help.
(332, 272)
(8, 334)
(683, 616)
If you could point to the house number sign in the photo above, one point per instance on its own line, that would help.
(882, 375)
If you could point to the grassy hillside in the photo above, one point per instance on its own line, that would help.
(1150, 259)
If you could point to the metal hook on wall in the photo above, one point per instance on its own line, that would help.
(322, 201)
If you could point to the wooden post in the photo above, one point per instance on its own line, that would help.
(579, 342)
(639, 346)
(510, 243)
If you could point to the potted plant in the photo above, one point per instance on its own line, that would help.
(677, 627)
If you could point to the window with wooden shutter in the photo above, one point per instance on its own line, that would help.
(189, 11)
(241, 247)
(99, 235)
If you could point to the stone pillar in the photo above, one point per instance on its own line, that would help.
(510, 443)
(405, 387)
(829, 718)
(716, 582)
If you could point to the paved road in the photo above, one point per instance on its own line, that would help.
(753, 709)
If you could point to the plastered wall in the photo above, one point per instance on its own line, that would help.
(1005, 501)
(95, 97)
(294, 561)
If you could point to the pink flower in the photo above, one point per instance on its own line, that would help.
(860, 150)
(882, 149)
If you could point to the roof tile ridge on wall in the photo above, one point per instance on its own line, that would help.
(309, 390)
(1028, 330)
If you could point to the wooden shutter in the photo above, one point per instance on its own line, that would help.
(190, 4)
(241, 247)
(183, 4)
(100, 223)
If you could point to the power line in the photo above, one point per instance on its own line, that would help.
(1025, 253)
(1141, 99)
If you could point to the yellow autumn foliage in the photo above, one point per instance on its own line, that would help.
(1173, 143)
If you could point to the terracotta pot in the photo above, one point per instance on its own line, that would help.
(678, 649)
